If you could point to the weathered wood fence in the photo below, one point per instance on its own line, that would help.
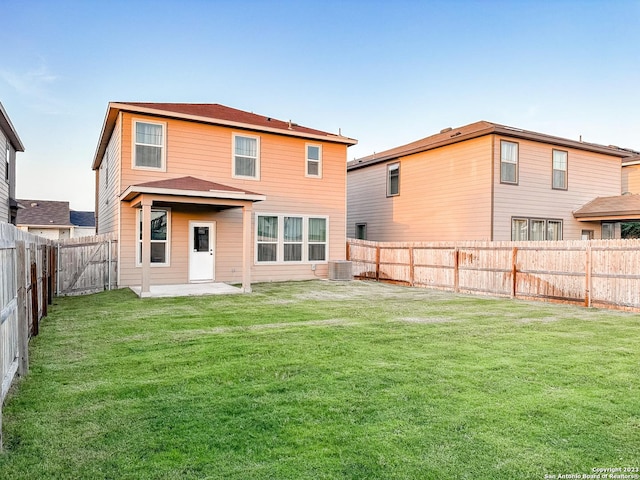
(602, 273)
(26, 285)
(33, 270)
(86, 264)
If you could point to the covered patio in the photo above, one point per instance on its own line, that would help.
(190, 191)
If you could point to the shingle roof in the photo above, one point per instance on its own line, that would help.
(192, 183)
(222, 112)
(82, 219)
(43, 212)
(474, 130)
(617, 206)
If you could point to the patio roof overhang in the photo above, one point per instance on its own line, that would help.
(618, 208)
(191, 191)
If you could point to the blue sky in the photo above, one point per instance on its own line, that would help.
(384, 72)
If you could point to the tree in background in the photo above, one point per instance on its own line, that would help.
(631, 230)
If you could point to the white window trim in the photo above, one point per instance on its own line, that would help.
(390, 168)
(516, 163)
(308, 160)
(163, 156)
(167, 241)
(7, 163)
(233, 156)
(280, 242)
(554, 170)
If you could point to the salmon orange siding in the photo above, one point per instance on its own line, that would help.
(589, 175)
(631, 179)
(205, 151)
(444, 194)
(454, 192)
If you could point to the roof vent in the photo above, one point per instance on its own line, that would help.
(445, 130)
(34, 204)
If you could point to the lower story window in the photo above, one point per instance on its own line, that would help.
(290, 238)
(159, 237)
(523, 229)
(608, 230)
(361, 231)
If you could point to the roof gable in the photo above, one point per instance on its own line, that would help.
(10, 131)
(450, 136)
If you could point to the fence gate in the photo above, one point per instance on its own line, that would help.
(86, 265)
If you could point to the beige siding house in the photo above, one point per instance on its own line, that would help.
(204, 193)
(9, 144)
(484, 181)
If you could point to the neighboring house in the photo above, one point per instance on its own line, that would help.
(84, 223)
(53, 219)
(486, 181)
(204, 192)
(9, 144)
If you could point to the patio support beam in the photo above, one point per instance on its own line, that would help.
(246, 247)
(146, 248)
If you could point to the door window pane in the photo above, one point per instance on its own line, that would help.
(201, 239)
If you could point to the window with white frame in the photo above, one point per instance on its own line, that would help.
(559, 170)
(291, 238)
(246, 156)
(160, 222)
(535, 229)
(267, 238)
(314, 160)
(149, 145)
(317, 239)
(508, 162)
(393, 180)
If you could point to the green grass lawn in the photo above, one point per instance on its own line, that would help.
(316, 380)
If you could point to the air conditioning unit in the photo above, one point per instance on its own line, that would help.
(340, 270)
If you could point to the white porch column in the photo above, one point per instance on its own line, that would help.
(246, 247)
(146, 248)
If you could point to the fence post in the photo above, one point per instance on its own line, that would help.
(45, 282)
(514, 271)
(456, 270)
(411, 267)
(587, 276)
(23, 322)
(35, 317)
(377, 263)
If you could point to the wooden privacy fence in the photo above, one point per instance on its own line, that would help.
(26, 284)
(86, 264)
(603, 273)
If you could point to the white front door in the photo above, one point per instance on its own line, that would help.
(201, 251)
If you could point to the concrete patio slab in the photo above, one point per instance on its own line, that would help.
(187, 289)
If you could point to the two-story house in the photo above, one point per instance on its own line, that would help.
(9, 144)
(204, 192)
(486, 181)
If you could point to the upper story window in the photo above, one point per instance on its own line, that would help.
(393, 180)
(314, 161)
(508, 162)
(246, 157)
(559, 170)
(361, 231)
(149, 145)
